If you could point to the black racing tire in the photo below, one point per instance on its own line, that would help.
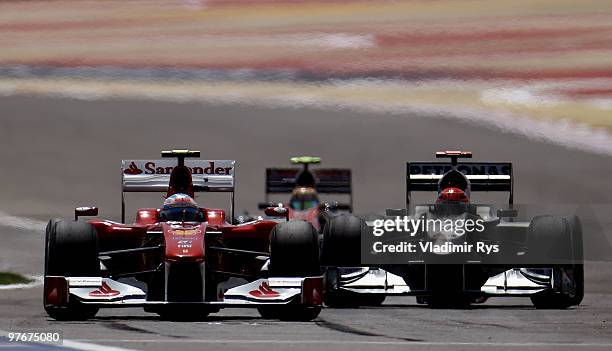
(294, 250)
(578, 266)
(564, 236)
(341, 245)
(292, 313)
(550, 301)
(71, 249)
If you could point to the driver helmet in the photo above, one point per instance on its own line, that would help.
(451, 201)
(180, 208)
(303, 198)
(452, 195)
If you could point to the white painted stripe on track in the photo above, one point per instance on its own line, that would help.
(86, 346)
(423, 343)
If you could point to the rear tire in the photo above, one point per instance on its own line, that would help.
(550, 301)
(564, 236)
(578, 252)
(71, 249)
(342, 242)
(342, 248)
(294, 252)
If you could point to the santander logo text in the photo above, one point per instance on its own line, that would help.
(152, 168)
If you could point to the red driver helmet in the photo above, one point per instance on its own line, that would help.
(452, 195)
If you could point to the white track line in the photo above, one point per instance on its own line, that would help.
(340, 342)
(85, 346)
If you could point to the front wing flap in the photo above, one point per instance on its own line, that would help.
(513, 282)
(366, 280)
(105, 292)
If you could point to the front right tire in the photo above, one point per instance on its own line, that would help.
(341, 247)
(563, 237)
(294, 252)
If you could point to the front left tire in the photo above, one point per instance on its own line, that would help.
(71, 250)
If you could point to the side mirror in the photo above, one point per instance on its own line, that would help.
(85, 212)
(507, 213)
(264, 205)
(282, 212)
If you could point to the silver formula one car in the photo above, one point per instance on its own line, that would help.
(540, 258)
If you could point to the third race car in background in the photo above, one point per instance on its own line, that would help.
(305, 186)
(540, 258)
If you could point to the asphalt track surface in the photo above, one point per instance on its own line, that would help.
(58, 153)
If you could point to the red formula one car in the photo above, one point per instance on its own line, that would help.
(181, 261)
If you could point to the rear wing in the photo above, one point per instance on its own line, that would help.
(154, 176)
(483, 176)
(328, 180)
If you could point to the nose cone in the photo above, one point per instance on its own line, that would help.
(184, 242)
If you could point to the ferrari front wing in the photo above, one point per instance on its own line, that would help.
(109, 293)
